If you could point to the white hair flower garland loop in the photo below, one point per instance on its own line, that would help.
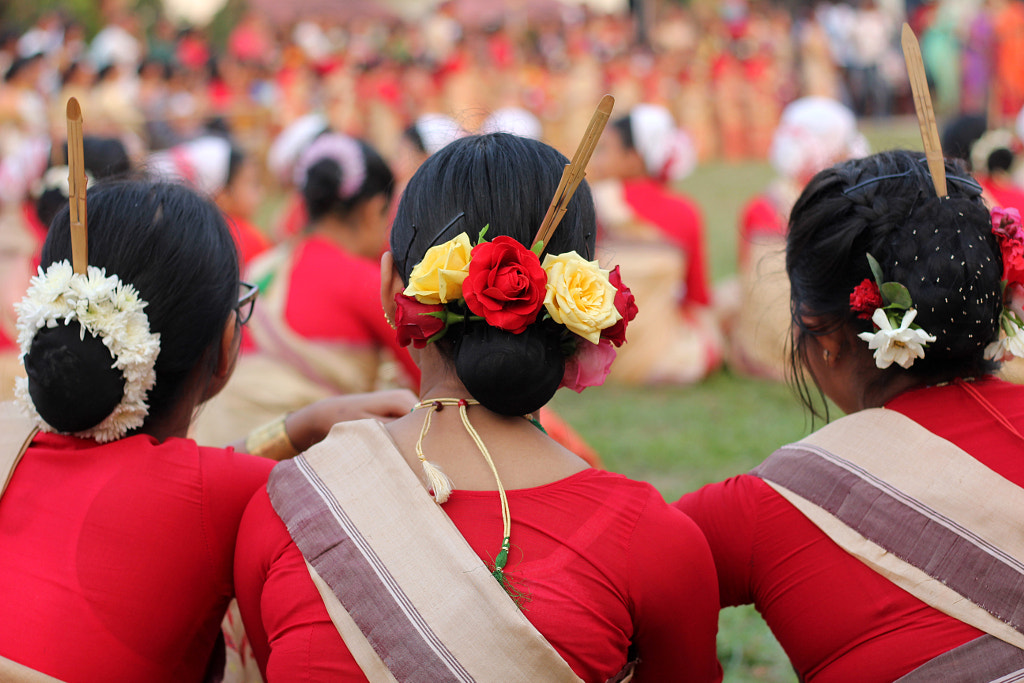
(896, 338)
(107, 308)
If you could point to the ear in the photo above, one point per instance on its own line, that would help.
(390, 284)
(832, 345)
(230, 343)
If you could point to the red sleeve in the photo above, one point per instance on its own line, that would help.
(291, 633)
(229, 481)
(759, 217)
(698, 291)
(680, 220)
(726, 513)
(672, 583)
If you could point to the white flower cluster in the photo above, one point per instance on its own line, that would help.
(105, 307)
(901, 344)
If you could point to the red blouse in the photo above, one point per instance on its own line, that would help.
(335, 296)
(604, 561)
(680, 221)
(115, 559)
(837, 619)
(249, 241)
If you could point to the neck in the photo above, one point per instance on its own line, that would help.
(344, 233)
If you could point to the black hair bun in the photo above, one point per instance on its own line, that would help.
(71, 380)
(511, 374)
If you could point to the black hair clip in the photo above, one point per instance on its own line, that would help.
(968, 185)
(434, 241)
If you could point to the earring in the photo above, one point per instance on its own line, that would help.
(390, 322)
(826, 355)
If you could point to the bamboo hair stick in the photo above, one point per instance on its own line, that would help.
(76, 189)
(574, 173)
(925, 112)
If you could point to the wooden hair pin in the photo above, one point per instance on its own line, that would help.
(574, 173)
(77, 182)
(925, 112)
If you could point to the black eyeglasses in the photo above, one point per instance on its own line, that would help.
(246, 301)
(968, 185)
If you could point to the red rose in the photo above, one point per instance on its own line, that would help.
(505, 284)
(1006, 225)
(413, 321)
(625, 304)
(865, 298)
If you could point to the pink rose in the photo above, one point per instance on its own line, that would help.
(589, 366)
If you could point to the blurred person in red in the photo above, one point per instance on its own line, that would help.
(657, 237)
(318, 332)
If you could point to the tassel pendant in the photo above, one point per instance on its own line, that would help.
(437, 481)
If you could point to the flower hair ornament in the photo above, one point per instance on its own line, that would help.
(103, 305)
(888, 305)
(1009, 232)
(506, 285)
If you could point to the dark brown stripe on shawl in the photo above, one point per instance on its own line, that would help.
(345, 561)
(903, 526)
(982, 660)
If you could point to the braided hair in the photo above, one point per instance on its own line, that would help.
(942, 250)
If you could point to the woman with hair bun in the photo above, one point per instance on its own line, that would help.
(117, 531)
(887, 545)
(657, 237)
(460, 542)
(320, 330)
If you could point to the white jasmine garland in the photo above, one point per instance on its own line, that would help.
(107, 308)
(900, 345)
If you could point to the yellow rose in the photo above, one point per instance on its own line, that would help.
(437, 279)
(579, 295)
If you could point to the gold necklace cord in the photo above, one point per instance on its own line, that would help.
(442, 486)
(506, 517)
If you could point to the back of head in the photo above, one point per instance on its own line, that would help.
(668, 152)
(504, 182)
(814, 133)
(941, 249)
(337, 173)
(175, 249)
(104, 158)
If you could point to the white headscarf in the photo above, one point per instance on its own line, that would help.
(203, 162)
(667, 152)
(436, 131)
(288, 146)
(814, 133)
(514, 120)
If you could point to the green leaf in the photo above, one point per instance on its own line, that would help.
(896, 295)
(438, 335)
(876, 270)
(538, 248)
(483, 231)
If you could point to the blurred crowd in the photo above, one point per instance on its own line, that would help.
(725, 70)
(234, 116)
